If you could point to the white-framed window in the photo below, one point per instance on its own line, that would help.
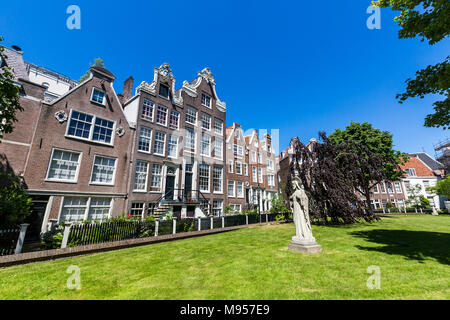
(172, 146)
(164, 91)
(140, 176)
(390, 187)
(260, 175)
(231, 189)
(240, 189)
(98, 96)
(90, 127)
(259, 158)
(161, 115)
(73, 209)
(235, 208)
(190, 140)
(137, 209)
(217, 179)
(64, 166)
(253, 156)
(203, 174)
(205, 145)
(99, 209)
(375, 188)
(254, 174)
(246, 169)
(191, 115)
(103, 170)
(217, 207)
(206, 100)
(148, 108)
(238, 168)
(156, 178)
(206, 121)
(218, 126)
(218, 148)
(78, 209)
(271, 180)
(159, 144)
(411, 172)
(145, 139)
(174, 122)
(238, 150)
(230, 166)
(382, 187)
(270, 164)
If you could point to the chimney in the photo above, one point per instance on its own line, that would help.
(127, 88)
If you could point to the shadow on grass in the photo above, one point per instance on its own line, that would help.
(414, 245)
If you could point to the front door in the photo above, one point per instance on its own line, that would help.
(170, 188)
(35, 220)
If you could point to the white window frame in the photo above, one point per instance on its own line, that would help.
(246, 169)
(221, 179)
(216, 120)
(64, 180)
(196, 115)
(221, 148)
(201, 121)
(254, 174)
(103, 103)
(204, 95)
(234, 188)
(87, 207)
(230, 166)
(240, 196)
(240, 166)
(114, 172)
(187, 148)
(172, 113)
(151, 138)
(156, 115)
(159, 141)
(146, 177)
(209, 178)
(260, 175)
(91, 131)
(144, 102)
(204, 141)
(169, 144)
(161, 177)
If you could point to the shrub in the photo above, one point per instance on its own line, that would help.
(53, 238)
(15, 204)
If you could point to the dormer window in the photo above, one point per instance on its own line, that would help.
(98, 96)
(206, 100)
(164, 91)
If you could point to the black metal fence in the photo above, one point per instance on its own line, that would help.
(8, 239)
(87, 234)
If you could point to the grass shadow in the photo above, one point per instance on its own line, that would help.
(414, 245)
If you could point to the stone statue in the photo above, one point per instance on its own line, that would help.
(303, 240)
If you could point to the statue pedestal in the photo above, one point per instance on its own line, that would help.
(308, 246)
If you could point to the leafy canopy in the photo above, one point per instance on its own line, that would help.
(442, 188)
(9, 96)
(430, 20)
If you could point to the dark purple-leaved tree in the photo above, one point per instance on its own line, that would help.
(331, 176)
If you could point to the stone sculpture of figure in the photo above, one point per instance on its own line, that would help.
(304, 240)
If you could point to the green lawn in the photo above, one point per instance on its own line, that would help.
(255, 264)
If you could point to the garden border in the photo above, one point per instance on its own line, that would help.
(57, 254)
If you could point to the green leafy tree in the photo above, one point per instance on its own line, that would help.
(375, 142)
(430, 20)
(414, 196)
(97, 63)
(442, 188)
(9, 97)
(278, 205)
(15, 204)
(424, 202)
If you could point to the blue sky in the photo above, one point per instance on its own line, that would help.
(296, 66)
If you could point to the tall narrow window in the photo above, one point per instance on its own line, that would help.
(64, 166)
(253, 156)
(218, 148)
(174, 119)
(156, 179)
(240, 189)
(230, 166)
(238, 168)
(254, 174)
(206, 121)
(172, 147)
(148, 108)
(145, 139)
(190, 140)
(103, 170)
(161, 115)
(160, 140)
(206, 100)
(260, 175)
(246, 169)
(191, 115)
(218, 126)
(164, 91)
(217, 179)
(204, 177)
(140, 176)
(205, 149)
(217, 207)
(231, 189)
